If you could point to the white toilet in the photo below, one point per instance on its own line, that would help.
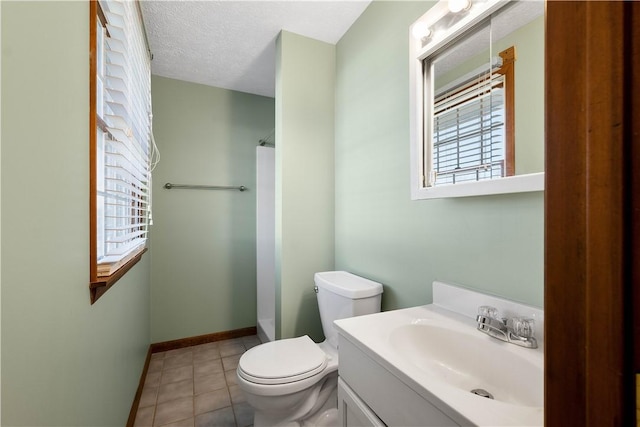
(293, 382)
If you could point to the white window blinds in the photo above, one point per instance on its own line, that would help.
(124, 135)
(469, 128)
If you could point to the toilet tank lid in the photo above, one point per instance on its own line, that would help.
(347, 284)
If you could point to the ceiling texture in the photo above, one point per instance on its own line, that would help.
(232, 44)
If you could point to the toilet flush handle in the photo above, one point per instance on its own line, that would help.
(315, 289)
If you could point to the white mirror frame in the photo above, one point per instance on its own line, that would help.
(418, 52)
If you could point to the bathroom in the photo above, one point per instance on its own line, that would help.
(346, 206)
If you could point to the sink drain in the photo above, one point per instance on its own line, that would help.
(482, 392)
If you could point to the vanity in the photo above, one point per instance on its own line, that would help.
(431, 366)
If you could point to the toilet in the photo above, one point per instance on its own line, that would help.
(293, 382)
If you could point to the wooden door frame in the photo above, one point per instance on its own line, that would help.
(591, 213)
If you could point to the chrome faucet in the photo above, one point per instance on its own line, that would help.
(517, 330)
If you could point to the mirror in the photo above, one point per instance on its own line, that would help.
(480, 79)
(467, 136)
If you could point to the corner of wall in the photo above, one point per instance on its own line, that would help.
(305, 115)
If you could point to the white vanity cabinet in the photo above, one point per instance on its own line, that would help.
(370, 395)
(353, 412)
(421, 366)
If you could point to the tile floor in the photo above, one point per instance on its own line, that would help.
(196, 387)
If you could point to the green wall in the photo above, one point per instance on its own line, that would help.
(64, 362)
(493, 244)
(204, 241)
(305, 81)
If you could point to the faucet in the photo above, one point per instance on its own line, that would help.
(517, 330)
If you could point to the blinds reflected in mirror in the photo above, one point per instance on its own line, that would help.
(468, 131)
(470, 120)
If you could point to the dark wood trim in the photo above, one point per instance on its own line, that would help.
(93, 201)
(632, 14)
(633, 83)
(101, 16)
(136, 400)
(100, 285)
(202, 339)
(588, 338)
(508, 70)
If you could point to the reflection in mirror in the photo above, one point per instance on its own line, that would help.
(483, 93)
(521, 25)
(467, 116)
(472, 99)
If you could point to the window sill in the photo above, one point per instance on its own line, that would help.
(512, 184)
(101, 285)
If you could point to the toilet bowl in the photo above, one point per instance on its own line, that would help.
(293, 382)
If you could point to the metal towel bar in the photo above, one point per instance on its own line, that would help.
(170, 186)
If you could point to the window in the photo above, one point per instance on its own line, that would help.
(121, 147)
(472, 125)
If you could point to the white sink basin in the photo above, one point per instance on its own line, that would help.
(465, 359)
(442, 356)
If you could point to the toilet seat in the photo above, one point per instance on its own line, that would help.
(281, 362)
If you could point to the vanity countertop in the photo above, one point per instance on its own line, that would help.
(440, 355)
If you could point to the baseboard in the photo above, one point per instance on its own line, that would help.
(181, 343)
(202, 339)
(136, 400)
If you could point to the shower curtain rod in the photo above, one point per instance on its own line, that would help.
(170, 186)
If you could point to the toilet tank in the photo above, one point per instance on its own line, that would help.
(342, 294)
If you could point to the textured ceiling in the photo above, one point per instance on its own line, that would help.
(231, 44)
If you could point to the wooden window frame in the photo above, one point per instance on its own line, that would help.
(508, 69)
(98, 285)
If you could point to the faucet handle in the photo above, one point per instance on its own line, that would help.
(488, 311)
(523, 327)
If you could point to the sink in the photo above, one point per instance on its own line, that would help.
(465, 359)
(441, 356)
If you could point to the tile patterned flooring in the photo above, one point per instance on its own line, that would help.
(196, 387)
